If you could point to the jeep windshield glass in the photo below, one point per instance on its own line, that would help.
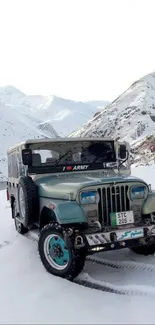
(59, 153)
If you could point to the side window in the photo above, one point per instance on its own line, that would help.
(20, 167)
(12, 165)
(9, 166)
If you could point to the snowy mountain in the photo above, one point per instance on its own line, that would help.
(15, 127)
(50, 111)
(130, 117)
(23, 117)
(98, 103)
(66, 115)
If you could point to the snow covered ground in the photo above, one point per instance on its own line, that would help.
(30, 295)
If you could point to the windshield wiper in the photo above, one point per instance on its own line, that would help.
(61, 157)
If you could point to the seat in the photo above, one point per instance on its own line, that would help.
(84, 155)
(50, 160)
(36, 159)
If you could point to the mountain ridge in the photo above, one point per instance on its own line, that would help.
(133, 111)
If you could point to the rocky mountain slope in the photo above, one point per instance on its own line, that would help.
(130, 117)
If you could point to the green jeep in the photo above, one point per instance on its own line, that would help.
(79, 196)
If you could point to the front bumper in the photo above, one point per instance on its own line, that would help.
(117, 239)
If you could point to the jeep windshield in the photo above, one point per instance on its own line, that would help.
(61, 156)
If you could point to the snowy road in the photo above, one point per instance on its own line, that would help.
(30, 295)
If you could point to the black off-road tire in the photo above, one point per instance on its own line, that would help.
(144, 250)
(31, 201)
(18, 225)
(77, 256)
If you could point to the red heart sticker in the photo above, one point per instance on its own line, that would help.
(68, 168)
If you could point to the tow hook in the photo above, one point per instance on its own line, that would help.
(113, 236)
(79, 243)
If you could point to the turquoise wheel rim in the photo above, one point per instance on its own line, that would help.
(56, 252)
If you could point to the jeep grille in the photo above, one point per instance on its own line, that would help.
(113, 198)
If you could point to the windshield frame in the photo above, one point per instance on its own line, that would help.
(73, 166)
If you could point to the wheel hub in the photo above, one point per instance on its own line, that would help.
(56, 252)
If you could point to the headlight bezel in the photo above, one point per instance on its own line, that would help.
(87, 199)
(134, 197)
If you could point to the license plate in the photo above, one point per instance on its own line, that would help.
(121, 218)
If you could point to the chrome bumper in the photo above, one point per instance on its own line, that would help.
(119, 236)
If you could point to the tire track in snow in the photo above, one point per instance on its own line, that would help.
(131, 290)
(122, 264)
(86, 280)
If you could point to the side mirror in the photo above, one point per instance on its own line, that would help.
(27, 157)
(122, 151)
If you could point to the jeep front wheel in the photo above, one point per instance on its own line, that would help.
(57, 258)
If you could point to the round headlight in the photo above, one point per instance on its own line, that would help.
(89, 197)
(138, 192)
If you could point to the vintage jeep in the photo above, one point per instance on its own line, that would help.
(79, 194)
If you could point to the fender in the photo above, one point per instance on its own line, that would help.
(149, 204)
(66, 212)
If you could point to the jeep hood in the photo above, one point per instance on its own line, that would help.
(60, 187)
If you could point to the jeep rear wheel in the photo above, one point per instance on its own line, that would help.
(28, 201)
(57, 258)
(18, 225)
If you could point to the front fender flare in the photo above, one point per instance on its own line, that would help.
(66, 212)
(149, 204)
